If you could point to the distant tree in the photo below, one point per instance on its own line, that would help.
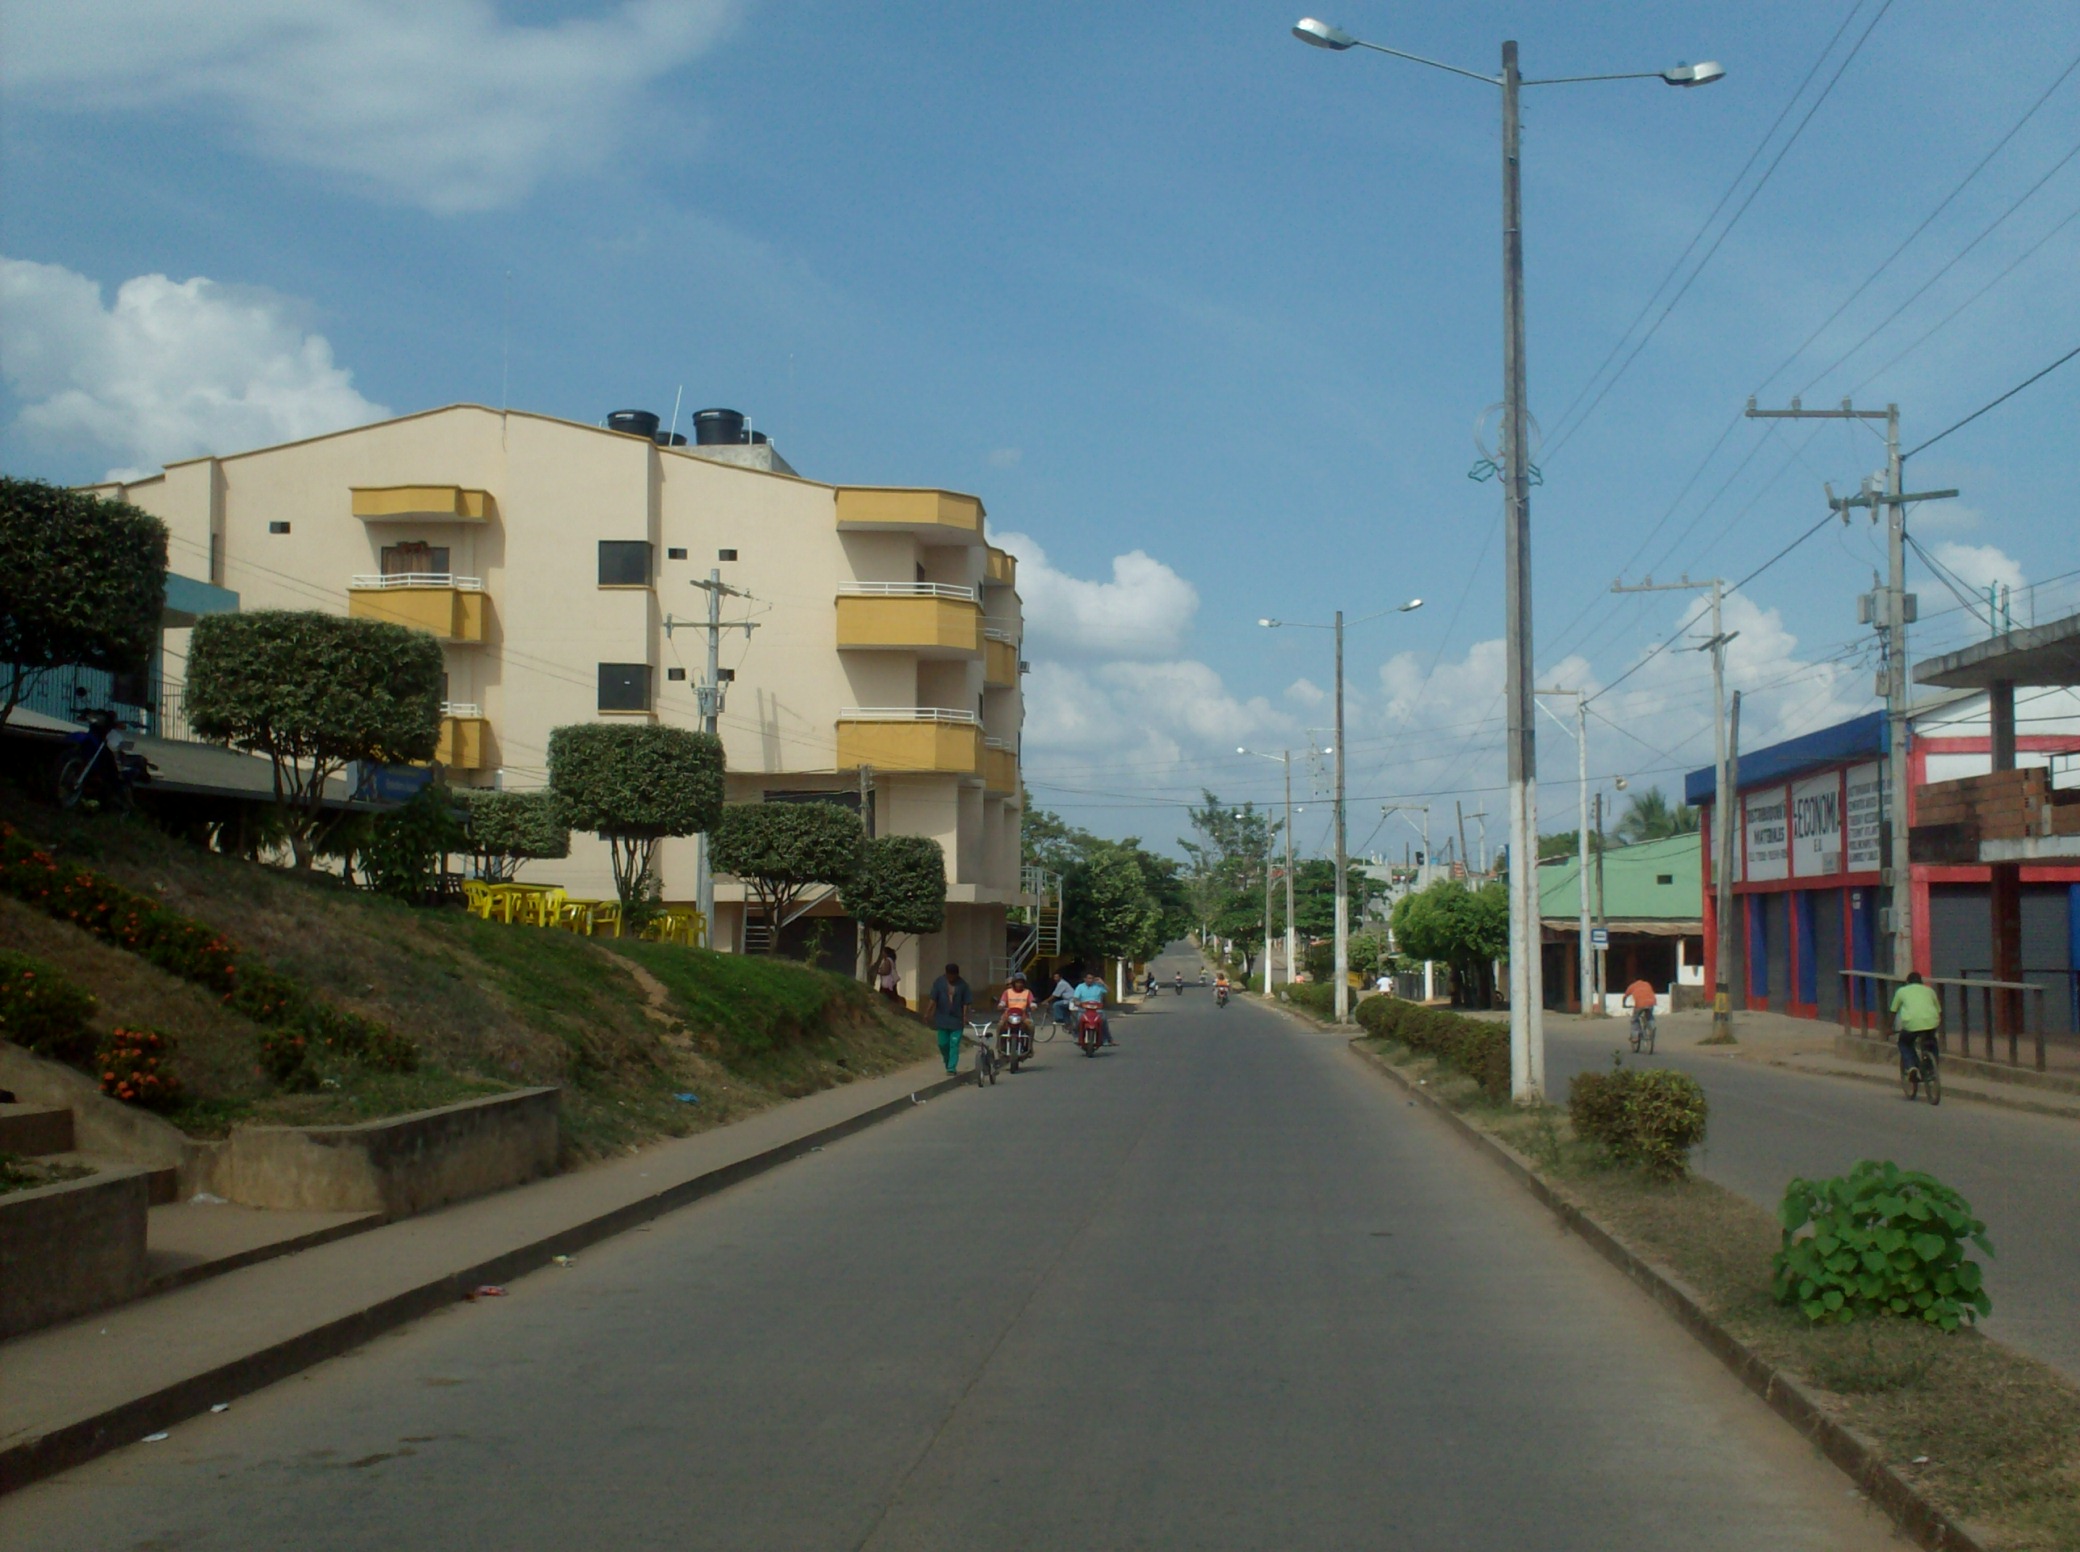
(82, 580)
(1046, 842)
(1123, 902)
(781, 849)
(405, 848)
(1225, 878)
(899, 888)
(1649, 817)
(509, 828)
(314, 693)
(633, 785)
(1467, 929)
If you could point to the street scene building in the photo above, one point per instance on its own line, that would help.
(1645, 897)
(869, 651)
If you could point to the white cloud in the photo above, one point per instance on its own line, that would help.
(439, 103)
(1305, 692)
(1980, 565)
(1143, 613)
(1005, 457)
(171, 370)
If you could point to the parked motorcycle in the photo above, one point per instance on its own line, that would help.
(97, 762)
(1090, 1028)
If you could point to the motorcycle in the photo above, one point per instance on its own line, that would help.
(97, 762)
(1090, 1028)
(1015, 1036)
(1220, 996)
(1180, 983)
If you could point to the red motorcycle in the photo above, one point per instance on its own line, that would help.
(1015, 1033)
(1090, 1028)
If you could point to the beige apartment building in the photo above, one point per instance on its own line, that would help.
(558, 564)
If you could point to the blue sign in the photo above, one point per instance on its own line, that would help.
(1599, 937)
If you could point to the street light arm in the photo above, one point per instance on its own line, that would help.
(1570, 80)
(1434, 64)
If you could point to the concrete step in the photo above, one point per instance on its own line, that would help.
(163, 1181)
(34, 1130)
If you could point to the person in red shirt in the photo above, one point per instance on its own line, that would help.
(1639, 996)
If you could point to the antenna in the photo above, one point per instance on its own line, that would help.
(676, 397)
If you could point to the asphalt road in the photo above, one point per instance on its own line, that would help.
(1768, 1125)
(1222, 1287)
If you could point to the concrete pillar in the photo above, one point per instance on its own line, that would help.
(2004, 897)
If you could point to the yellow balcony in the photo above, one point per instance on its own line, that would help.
(421, 504)
(936, 516)
(923, 617)
(999, 660)
(999, 568)
(449, 607)
(909, 738)
(999, 765)
(465, 738)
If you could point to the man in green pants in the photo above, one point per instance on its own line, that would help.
(950, 1000)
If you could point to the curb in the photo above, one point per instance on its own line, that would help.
(77, 1443)
(1857, 1456)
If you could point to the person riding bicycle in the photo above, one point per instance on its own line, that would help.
(1063, 995)
(1640, 998)
(1915, 1011)
(1018, 998)
(1090, 991)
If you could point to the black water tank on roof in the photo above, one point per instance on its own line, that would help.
(635, 422)
(718, 428)
(757, 439)
(668, 438)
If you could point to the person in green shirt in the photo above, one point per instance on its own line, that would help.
(1915, 1011)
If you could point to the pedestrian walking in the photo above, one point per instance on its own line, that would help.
(950, 999)
(885, 980)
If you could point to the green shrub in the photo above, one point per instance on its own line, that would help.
(1478, 1048)
(42, 1011)
(405, 847)
(1648, 1116)
(1316, 998)
(135, 1068)
(1879, 1240)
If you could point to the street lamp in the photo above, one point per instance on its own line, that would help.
(1526, 1028)
(1285, 758)
(1343, 926)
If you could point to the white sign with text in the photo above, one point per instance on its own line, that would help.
(1866, 816)
(1767, 853)
(1816, 825)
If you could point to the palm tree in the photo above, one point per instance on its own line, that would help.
(1650, 818)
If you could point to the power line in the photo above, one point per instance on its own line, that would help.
(1993, 403)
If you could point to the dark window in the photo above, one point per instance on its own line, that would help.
(624, 563)
(1664, 878)
(848, 798)
(624, 687)
(725, 554)
(675, 674)
(271, 528)
(726, 675)
(415, 558)
(676, 552)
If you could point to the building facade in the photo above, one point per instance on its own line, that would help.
(871, 654)
(1648, 897)
(1809, 887)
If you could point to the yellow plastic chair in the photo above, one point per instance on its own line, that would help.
(543, 907)
(476, 897)
(605, 914)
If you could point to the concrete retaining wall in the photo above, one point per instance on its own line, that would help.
(70, 1248)
(397, 1167)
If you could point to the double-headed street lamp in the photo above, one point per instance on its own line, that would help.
(1343, 926)
(1285, 758)
(1526, 1034)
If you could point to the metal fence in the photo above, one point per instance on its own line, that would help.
(1873, 989)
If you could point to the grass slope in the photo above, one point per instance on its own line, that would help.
(623, 1027)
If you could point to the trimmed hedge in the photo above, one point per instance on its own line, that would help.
(1475, 1047)
(1316, 997)
(184, 947)
(1649, 1116)
(42, 1011)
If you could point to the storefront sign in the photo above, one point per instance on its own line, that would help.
(1768, 849)
(1816, 825)
(1866, 806)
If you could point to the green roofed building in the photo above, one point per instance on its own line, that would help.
(1652, 908)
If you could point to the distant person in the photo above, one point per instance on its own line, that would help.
(1915, 1011)
(1064, 993)
(951, 998)
(885, 980)
(1092, 990)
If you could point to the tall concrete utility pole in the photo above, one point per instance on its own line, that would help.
(1343, 924)
(1722, 798)
(1581, 876)
(709, 695)
(1895, 611)
(1722, 876)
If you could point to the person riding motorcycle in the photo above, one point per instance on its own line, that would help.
(1018, 1002)
(1150, 984)
(1180, 983)
(1090, 991)
(1220, 989)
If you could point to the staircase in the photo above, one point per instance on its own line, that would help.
(1042, 921)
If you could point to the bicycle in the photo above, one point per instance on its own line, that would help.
(983, 1037)
(1926, 1073)
(1643, 1030)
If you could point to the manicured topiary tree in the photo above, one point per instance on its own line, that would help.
(509, 828)
(633, 785)
(780, 849)
(899, 888)
(314, 693)
(82, 580)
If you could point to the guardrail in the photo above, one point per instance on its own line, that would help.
(461, 709)
(951, 590)
(1004, 636)
(366, 583)
(907, 714)
(1877, 998)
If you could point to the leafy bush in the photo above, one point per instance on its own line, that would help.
(508, 828)
(1316, 998)
(1650, 1116)
(42, 1011)
(780, 849)
(403, 852)
(1475, 1047)
(135, 1068)
(184, 947)
(1879, 1240)
(899, 887)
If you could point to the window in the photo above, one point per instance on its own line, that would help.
(676, 552)
(1664, 878)
(415, 558)
(624, 563)
(675, 674)
(274, 527)
(725, 554)
(624, 687)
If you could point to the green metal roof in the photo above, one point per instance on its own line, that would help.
(1632, 887)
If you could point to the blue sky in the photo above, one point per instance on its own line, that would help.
(1206, 317)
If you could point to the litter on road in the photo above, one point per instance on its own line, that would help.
(153, 1438)
(486, 1291)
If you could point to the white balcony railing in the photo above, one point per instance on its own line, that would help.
(376, 584)
(1008, 746)
(1004, 636)
(964, 595)
(907, 714)
(461, 709)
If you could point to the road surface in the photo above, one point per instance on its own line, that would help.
(1222, 1287)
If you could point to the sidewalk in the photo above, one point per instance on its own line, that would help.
(77, 1390)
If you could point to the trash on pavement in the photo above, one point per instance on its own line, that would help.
(486, 1291)
(153, 1438)
(220, 1406)
(208, 1199)
(563, 1261)
(687, 1099)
